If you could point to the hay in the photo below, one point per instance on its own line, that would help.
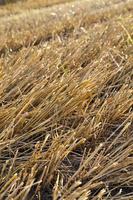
(66, 102)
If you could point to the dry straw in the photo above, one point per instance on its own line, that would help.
(66, 101)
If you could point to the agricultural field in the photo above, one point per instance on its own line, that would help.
(66, 100)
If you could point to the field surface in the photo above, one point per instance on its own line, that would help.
(66, 100)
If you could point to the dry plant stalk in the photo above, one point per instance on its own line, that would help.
(66, 100)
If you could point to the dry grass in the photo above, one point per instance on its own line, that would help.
(30, 27)
(66, 102)
(21, 6)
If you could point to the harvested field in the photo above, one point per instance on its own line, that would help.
(66, 100)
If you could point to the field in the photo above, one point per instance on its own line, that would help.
(66, 100)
